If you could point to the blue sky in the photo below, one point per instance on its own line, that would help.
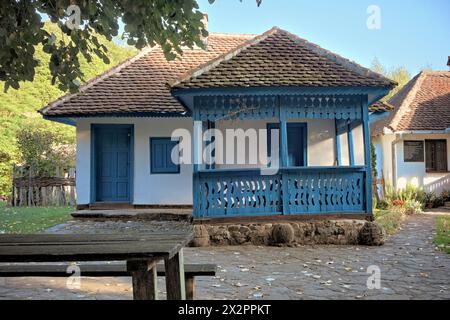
(414, 33)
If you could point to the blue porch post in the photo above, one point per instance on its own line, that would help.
(338, 143)
(197, 142)
(284, 158)
(367, 153)
(351, 153)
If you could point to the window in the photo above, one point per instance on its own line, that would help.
(297, 142)
(161, 156)
(413, 151)
(436, 155)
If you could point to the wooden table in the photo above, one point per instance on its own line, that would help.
(141, 253)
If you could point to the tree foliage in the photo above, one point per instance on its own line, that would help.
(170, 24)
(44, 151)
(18, 107)
(399, 74)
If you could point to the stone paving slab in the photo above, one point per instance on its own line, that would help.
(410, 264)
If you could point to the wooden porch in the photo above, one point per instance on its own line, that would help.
(294, 190)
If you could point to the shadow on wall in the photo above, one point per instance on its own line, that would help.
(439, 186)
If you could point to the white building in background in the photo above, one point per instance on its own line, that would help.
(413, 142)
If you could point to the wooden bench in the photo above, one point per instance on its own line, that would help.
(102, 270)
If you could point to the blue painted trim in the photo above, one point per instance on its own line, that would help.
(93, 156)
(63, 120)
(375, 116)
(257, 172)
(210, 126)
(379, 96)
(367, 156)
(93, 173)
(351, 152)
(338, 143)
(153, 170)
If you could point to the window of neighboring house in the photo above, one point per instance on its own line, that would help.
(436, 155)
(413, 151)
(161, 156)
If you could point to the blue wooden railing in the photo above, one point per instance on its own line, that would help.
(309, 190)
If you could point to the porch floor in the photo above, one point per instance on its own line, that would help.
(144, 214)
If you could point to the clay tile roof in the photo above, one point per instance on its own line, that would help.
(381, 106)
(138, 85)
(423, 104)
(279, 58)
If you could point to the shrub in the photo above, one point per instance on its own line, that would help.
(43, 150)
(438, 202)
(446, 195)
(410, 192)
(398, 203)
(413, 207)
(382, 205)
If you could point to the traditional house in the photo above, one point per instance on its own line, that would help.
(412, 143)
(317, 101)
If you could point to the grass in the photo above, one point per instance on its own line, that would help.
(443, 233)
(390, 219)
(31, 220)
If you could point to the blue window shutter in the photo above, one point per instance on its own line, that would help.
(161, 156)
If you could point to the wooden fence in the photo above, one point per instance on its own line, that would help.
(29, 190)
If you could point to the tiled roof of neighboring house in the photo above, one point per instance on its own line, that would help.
(279, 58)
(139, 84)
(423, 104)
(381, 106)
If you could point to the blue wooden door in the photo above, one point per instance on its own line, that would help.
(113, 161)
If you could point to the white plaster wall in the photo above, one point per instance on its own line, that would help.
(415, 172)
(176, 189)
(321, 144)
(358, 147)
(148, 189)
(411, 172)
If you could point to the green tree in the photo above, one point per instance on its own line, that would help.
(18, 108)
(43, 150)
(170, 24)
(399, 74)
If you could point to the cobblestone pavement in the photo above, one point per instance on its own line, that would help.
(411, 268)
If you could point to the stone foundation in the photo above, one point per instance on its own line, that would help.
(338, 232)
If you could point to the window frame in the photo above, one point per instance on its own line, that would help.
(423, 159)
(435, 170)
(156, 171)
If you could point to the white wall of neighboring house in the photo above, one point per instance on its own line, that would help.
(410, 172)
(176, 189)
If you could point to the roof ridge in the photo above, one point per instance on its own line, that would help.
(195, 72)
(400, 111)
(346, 63)
(108, 73)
